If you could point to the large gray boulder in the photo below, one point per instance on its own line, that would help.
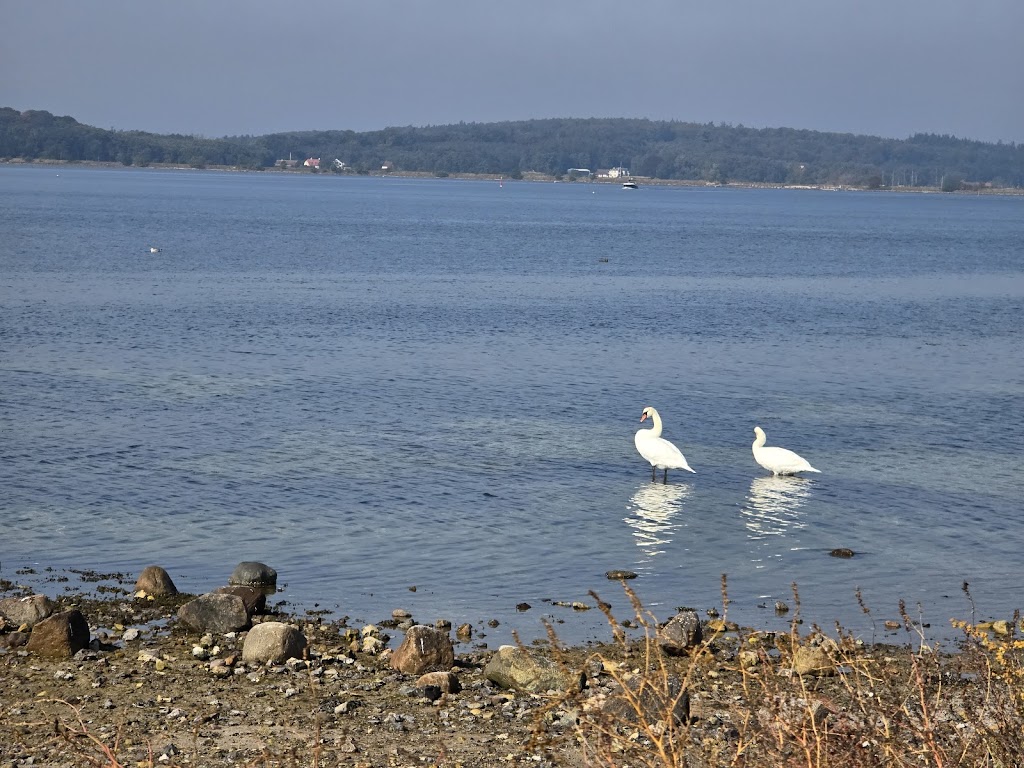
(514, 667)
(253, 574)
(215, 613)
(28, 610)
(273, 642)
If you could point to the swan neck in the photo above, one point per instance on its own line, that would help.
(759, 441)
(656, 422)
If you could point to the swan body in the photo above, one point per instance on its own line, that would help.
(653, 447)
(779, 461)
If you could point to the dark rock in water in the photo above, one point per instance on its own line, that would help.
(253, 574)
(523, 607)
(515, 668)
(620, 575)
(26, 610)
(273, 641)
(423, 650)
(842, 552)
(651, 699)
(255, 600)
(781, 607)
(155, 581)
(60, 636)
(681, 633)
(464, 632)
(215, 613)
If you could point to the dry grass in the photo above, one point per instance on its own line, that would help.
(801, 700)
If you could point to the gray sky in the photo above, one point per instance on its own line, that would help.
(227, 67)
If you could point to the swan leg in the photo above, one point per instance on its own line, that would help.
(654, 471)
(664, 477)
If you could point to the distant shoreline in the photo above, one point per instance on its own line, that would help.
(527, 177)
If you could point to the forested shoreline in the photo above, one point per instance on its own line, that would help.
(659, 150)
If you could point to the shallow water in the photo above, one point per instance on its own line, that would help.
(374, 384)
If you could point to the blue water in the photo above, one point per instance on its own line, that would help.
(375, 383)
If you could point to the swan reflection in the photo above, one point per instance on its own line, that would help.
(772, 509)
(652, 510)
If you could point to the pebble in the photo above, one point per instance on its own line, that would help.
(130, 634)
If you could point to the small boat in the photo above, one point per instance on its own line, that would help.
(629, 184)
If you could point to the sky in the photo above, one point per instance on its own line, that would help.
(214, 68)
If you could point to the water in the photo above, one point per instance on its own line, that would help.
(375, 384)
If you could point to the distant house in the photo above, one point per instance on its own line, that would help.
(289, 163)
(614, 173)
(387, 166)
(339, 164)
(313, 162)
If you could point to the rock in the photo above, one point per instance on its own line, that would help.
(781, 607)
(273, 641)
(842, 552)
(513, 667)
(681, 633)
(620, 575)
(253, 574)
(424, 650)
(1001, 627)
(446, 682)
(14, 640)
(60, 636)
(464, 632)
(215, 613)
(813, 660)
(155, 581)
(254, 599)
(651, 699)
(26, 611)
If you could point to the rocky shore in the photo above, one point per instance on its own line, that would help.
(147, 676)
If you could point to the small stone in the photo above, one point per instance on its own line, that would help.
(400, 613)
(842, 552)
(891, 624)
(424, 649)
(445, 682)
(813, 660)
(155, 581)
(464, 632)
(130, 634)
(681, 633)
(273, 641)
(1001, 627)
(521, 607)
(781, 607)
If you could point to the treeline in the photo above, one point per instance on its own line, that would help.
(656, 149)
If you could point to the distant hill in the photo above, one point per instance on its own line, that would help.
(669, 150)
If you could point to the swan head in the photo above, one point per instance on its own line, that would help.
(648, 412)
(759, 433)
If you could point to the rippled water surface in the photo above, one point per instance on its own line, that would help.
(374, 384)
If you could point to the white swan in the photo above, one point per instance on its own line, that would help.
(154, 249)
(660, 452)
(780, 461)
